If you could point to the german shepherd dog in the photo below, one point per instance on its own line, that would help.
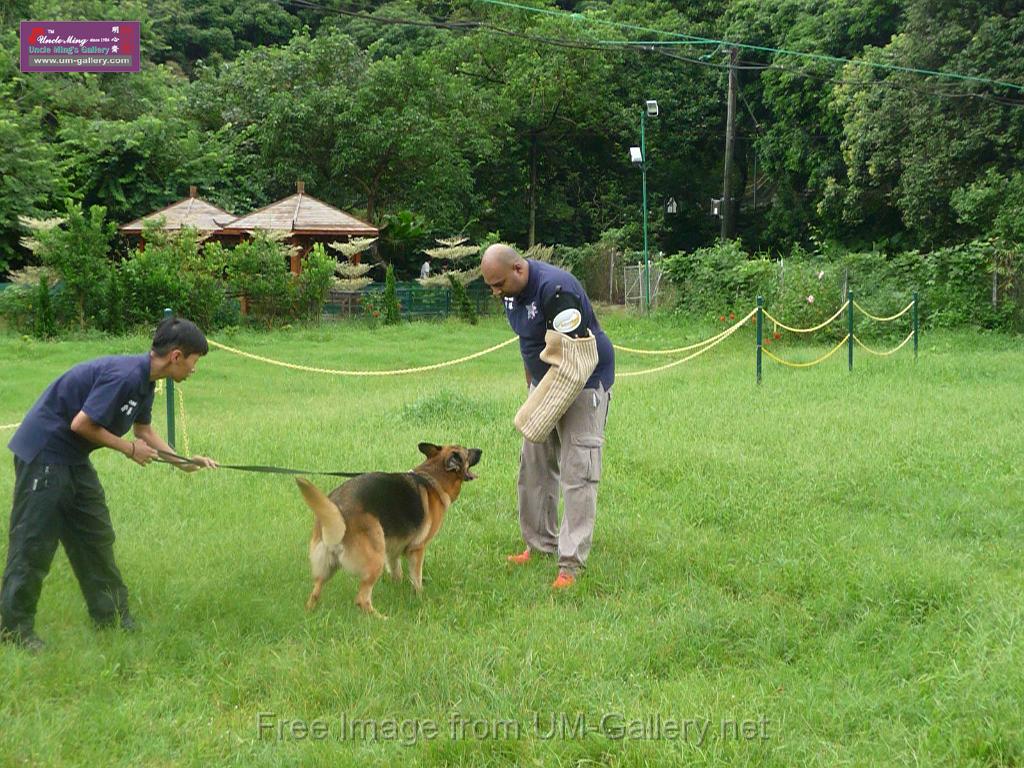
(366, 524)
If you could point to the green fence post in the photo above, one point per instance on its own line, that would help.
(170, 398)
(916, 326)
(760, 326)
(849, 316)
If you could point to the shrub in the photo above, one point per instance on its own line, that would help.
(112, 318)
(78, 249)
(17, 304)
(721, 277)
(954, 285)
(315, 282)
(372, 302)
(172, 270)
(462, 302)
(392, 309)
(258, 270)
(151, 282)
(20, 301)
(45, 326)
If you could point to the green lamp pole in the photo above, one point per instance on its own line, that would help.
(170, 397)
(643, 173)
(650, 109)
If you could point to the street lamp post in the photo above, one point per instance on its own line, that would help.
(639, 156)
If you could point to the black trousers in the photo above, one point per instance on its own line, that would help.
(59, 503)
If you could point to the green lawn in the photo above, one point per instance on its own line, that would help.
(823, 570)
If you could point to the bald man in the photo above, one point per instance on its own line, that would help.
(538, 297)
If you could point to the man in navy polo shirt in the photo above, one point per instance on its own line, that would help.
(537, 296)
(57, 494)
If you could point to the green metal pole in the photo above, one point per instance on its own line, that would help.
(643, 172)
(916, 326)
(170, 399)
(760, 326)
(849, 330)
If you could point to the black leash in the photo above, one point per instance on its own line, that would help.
(165, 457)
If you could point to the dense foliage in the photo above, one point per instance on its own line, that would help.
(961, 285)
(430, 118)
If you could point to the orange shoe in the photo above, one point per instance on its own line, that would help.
(564, 580)
(521, 559)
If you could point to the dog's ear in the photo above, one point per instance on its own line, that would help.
(454, 462)
(474, 456)
(429, 449)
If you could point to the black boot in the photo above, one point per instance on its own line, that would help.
(22, 638)
(124, 620)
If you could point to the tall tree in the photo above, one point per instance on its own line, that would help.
(547, 102)
(789, 125)
(910, 141)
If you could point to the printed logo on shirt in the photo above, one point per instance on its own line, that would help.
(129, 408)
(509, 303)
(531, 310)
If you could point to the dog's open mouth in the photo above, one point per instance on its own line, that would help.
(474, 457)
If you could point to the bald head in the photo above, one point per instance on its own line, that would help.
(500, 255)
(504, 270)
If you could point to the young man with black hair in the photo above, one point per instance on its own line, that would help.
(57, 494)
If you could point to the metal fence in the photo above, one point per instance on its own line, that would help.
(633, 280)
(416, 301)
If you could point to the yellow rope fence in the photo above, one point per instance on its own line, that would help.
(677, 350)
(871, 351)
(898, 315)
(821, 359)
(10, 426)
(336, 372)
(700, 346)
(808, 330)
(710, 344)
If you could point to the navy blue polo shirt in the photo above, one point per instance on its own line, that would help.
(525, 314)
(115, 392)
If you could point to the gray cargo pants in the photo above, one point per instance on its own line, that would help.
(569, 461)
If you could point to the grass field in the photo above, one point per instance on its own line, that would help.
(823, 570)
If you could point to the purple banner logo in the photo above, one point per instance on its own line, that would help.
(80, 46)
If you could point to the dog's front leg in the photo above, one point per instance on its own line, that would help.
(416, 568)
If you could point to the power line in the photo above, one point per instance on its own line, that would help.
(758, 67)
(693, 39)
(894, 86)
(646, 46)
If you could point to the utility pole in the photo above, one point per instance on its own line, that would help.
(728, 212)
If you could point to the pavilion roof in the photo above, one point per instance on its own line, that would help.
(192, 212)
(301, 214)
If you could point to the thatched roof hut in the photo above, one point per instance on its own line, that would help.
(191, 212)
(304, 219)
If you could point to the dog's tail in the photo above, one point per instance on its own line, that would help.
(332, 524)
